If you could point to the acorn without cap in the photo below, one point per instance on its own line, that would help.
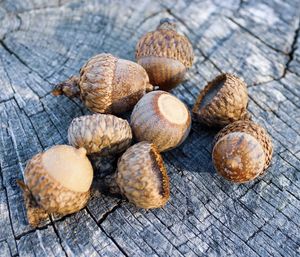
(107, 84)
(100, 134)
(222, 101)
(242, 151)
(57, 181)
(165, 54)
(142, 177)
(162, 119)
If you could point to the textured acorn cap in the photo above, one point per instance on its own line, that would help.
(142, 176)
(101, 134)
(165, 41)
(96, 78)
(254, 130)
(59, 179)
(162, 119)
(222, 101)
(165, 55)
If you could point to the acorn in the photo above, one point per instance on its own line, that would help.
(222, 101)
(58, 181)
(165, 55)
(107, 84)
(100, 134)
(242, 151)
(162, 119)
(142, 177)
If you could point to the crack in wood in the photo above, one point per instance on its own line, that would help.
(293, 49)
(109, 212)
(103, 230)
(58, 236)
(5, 46)
(170, 12)
(253, 35)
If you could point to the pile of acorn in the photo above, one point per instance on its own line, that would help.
(59, 179)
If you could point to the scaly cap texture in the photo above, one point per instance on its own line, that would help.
(166, 43)
(100, 133)
(227, 105)
(49, 193)
(142, 176)
(96, 78)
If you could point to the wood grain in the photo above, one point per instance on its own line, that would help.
(44, 42)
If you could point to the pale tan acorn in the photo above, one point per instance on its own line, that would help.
(165, 54)
(142, 177)
(242, 151)
(107, 84)
(100, 134)
(162, 119)
(222, 101)
(57, 181)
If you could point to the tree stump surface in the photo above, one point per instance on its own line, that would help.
(43, 42)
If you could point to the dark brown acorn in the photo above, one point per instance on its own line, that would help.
(107, 84)
(165, 55)
(242, 151)
(222, 101)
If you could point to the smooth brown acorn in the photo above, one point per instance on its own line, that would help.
(107, 84)
(56, 181)
(222, 101)
(142, 177)
(242, 151)
(165, 54)
(162, 119)
(100, 134)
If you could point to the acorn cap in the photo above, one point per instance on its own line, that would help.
(238, 157)
(222, 101)
(256, 131)
(96, 78)
(100, 133)
(59, 179)
(107, 84)
(162, 119)
(166, 42)
(142, 176)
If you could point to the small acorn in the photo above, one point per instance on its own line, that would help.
(107, 84)
(162, 119)
(242, 151)
(165, 55)
(222, 101)
(57, 181)
(100, 134)
(142, 177)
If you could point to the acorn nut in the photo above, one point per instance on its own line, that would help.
(142, 177)
(107, 84)
(222, 101)
(100, 134)
(165, 54)
(242, 151)
(58, 181)
(162, 119)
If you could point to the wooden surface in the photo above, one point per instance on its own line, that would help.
(45, 41)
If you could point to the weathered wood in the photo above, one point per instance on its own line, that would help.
(43, 42)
